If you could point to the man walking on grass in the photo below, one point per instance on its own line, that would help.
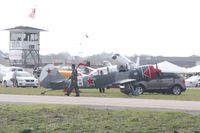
(73, 83)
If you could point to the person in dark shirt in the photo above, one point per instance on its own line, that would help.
(102, 89)
(122, 69)
(14, 78)
(73, 83)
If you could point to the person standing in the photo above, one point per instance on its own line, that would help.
(73, 83)
(101, 89)
(14, 78)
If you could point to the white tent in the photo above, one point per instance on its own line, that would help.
(195, 69)
(166, 66)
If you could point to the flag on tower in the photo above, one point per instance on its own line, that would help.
(86, 36)
(32, 14)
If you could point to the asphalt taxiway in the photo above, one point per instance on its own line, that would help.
(193, 106)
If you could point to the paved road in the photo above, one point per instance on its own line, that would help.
(104, 102)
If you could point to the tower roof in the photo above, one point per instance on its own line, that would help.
(3, 56)
(17, 28)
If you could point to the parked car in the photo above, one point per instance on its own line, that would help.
(164, 83)
(193, 81)
(4, 70)
(23, 79)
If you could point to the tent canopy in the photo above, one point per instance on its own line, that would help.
(195, 69)
(166, 66)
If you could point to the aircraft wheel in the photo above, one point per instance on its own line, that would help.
(176, 90)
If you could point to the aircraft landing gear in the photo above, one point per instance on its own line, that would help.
(130, 89)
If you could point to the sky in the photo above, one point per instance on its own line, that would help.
(129, 27)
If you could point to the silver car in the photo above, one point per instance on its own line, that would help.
(164, 83)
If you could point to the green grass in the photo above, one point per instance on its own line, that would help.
(190, 94)
(75, 119)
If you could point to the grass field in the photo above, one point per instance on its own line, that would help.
(190, 94)
(75, 119)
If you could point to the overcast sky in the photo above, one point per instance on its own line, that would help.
(129, 27)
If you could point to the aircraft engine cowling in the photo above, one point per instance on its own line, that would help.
(123, 60)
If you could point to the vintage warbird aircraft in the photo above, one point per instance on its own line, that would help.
(52, 79)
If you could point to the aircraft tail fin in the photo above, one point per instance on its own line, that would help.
(44, 72)
(51, 78)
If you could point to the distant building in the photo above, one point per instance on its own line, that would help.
(180, 61)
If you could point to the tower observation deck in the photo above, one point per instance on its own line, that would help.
(24, 46)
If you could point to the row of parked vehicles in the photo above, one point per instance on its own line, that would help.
(163, 83)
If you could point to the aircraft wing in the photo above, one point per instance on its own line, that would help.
(57, 81)
(120, 82)
(124, 81)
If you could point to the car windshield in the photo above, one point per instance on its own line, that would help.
(23, 75)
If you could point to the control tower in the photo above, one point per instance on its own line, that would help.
(24, 46)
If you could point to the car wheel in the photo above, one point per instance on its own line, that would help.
(176, 90)
(139, 89)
